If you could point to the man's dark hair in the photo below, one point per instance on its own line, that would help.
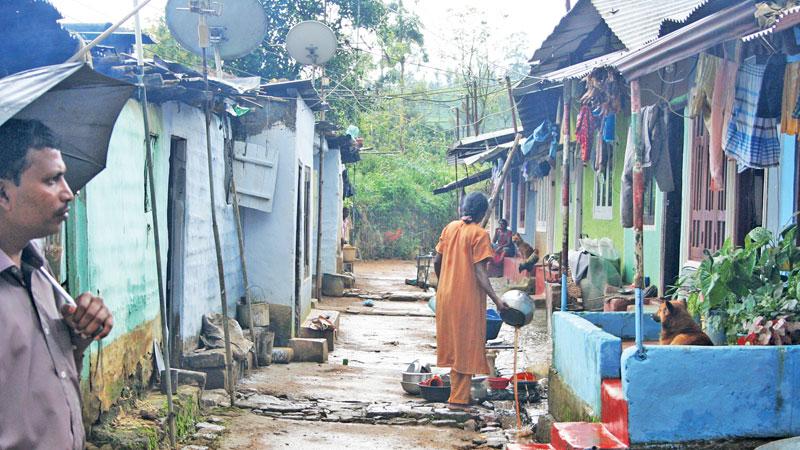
(16, 137)
(474, 207)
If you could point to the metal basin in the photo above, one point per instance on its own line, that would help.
(411, 388)
(411, 380)
(520, 308)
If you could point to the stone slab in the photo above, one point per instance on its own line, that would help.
(280, 323)
(309, 350)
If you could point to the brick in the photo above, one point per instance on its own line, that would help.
(309, 350)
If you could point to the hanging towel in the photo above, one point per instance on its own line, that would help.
(791, 95)
(600, 153)
(752, 140)
(721, 110)
(610, 128)
(701, 98)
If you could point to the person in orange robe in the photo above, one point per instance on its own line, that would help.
(462, 254)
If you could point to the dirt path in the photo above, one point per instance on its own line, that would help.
(378, 348)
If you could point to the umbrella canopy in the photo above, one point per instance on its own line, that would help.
(77, 103)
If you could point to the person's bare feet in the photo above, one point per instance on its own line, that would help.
(459, 407)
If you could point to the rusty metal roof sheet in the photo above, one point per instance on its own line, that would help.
(638, 22)
(786, 19)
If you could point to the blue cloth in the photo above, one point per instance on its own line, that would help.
(752, 140)
(610, 128)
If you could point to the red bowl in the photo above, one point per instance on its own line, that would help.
(524, 376)
(498, 383)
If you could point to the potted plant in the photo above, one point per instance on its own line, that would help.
(751, 291)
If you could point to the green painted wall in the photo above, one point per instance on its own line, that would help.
(651, 247)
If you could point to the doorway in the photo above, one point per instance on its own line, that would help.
(672, 225)
(176, 222)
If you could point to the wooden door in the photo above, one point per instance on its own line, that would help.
(707, 213)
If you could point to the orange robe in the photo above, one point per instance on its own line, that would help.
(460, 301)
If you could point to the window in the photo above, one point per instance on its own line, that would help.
(543, 193)
(307, 221)
(523, 199)
(604, 191)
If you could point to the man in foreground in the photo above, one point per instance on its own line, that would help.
(43, 334)
(463, 251)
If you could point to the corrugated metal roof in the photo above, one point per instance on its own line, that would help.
(786, 19)
(730, 23)
(638, 22)
(580, 70)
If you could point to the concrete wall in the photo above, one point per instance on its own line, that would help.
(332, 204)
(270, 245)
(201, 290)
(695, 393)
(583, 355)
(118, 260)
(622, 324)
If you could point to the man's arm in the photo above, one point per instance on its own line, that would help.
(483, 281)
(437, 265)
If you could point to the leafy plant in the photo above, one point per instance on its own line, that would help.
(752, 289)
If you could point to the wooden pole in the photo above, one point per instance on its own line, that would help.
(240, 236)
(507, 164)
(156, 236)
(475, 107)
(223, 294)
(638, 216)
(565, 137)
(458, 124)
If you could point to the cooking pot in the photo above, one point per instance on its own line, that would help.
(520, 308)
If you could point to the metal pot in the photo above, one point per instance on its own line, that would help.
(520, 308)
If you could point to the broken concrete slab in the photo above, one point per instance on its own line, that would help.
(310, 330)
(408, 296)
(309, 350)
(205, 358)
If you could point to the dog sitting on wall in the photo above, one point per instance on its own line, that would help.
(524, 250)
(677, 325)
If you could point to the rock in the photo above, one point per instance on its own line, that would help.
(496, 442)
(488, 405)
(444, 423)
(402, 421)
(388, 411)
(194, 447)
(205, 359)
(424, 421)
(478, 441)
(489, 429)
(447, 414)
(470, 425)
(205, 436)
(209, 427)
(213, 419)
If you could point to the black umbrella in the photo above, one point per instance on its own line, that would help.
(77, 103)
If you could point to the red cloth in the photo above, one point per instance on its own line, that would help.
(587, 124)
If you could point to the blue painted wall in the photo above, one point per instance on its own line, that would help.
(694, 393)
(622, 324)
(584, 355)
(332, 204)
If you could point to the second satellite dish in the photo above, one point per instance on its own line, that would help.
(237, 29)
(311, 43)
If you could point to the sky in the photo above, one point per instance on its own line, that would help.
(512, 23)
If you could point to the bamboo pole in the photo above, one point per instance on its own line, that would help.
(203, 32)
(638, 216)
(565, 195)
(156, 234)
(507, 164)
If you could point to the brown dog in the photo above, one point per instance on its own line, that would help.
(525, 250)
(677, 325)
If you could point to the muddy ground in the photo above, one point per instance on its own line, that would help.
(378, 342)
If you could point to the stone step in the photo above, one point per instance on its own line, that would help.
(583, 436)
(309, 350)
(614, 409)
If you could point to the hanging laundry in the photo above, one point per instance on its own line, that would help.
(610, 128)
(791, 94)
(721, 111)
(626, 191)
(655, 148)
(703, 91)
(587, 123)
(600, 153)
(752, 139)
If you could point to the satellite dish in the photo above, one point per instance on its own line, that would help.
(311, 43)
(234, 31)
